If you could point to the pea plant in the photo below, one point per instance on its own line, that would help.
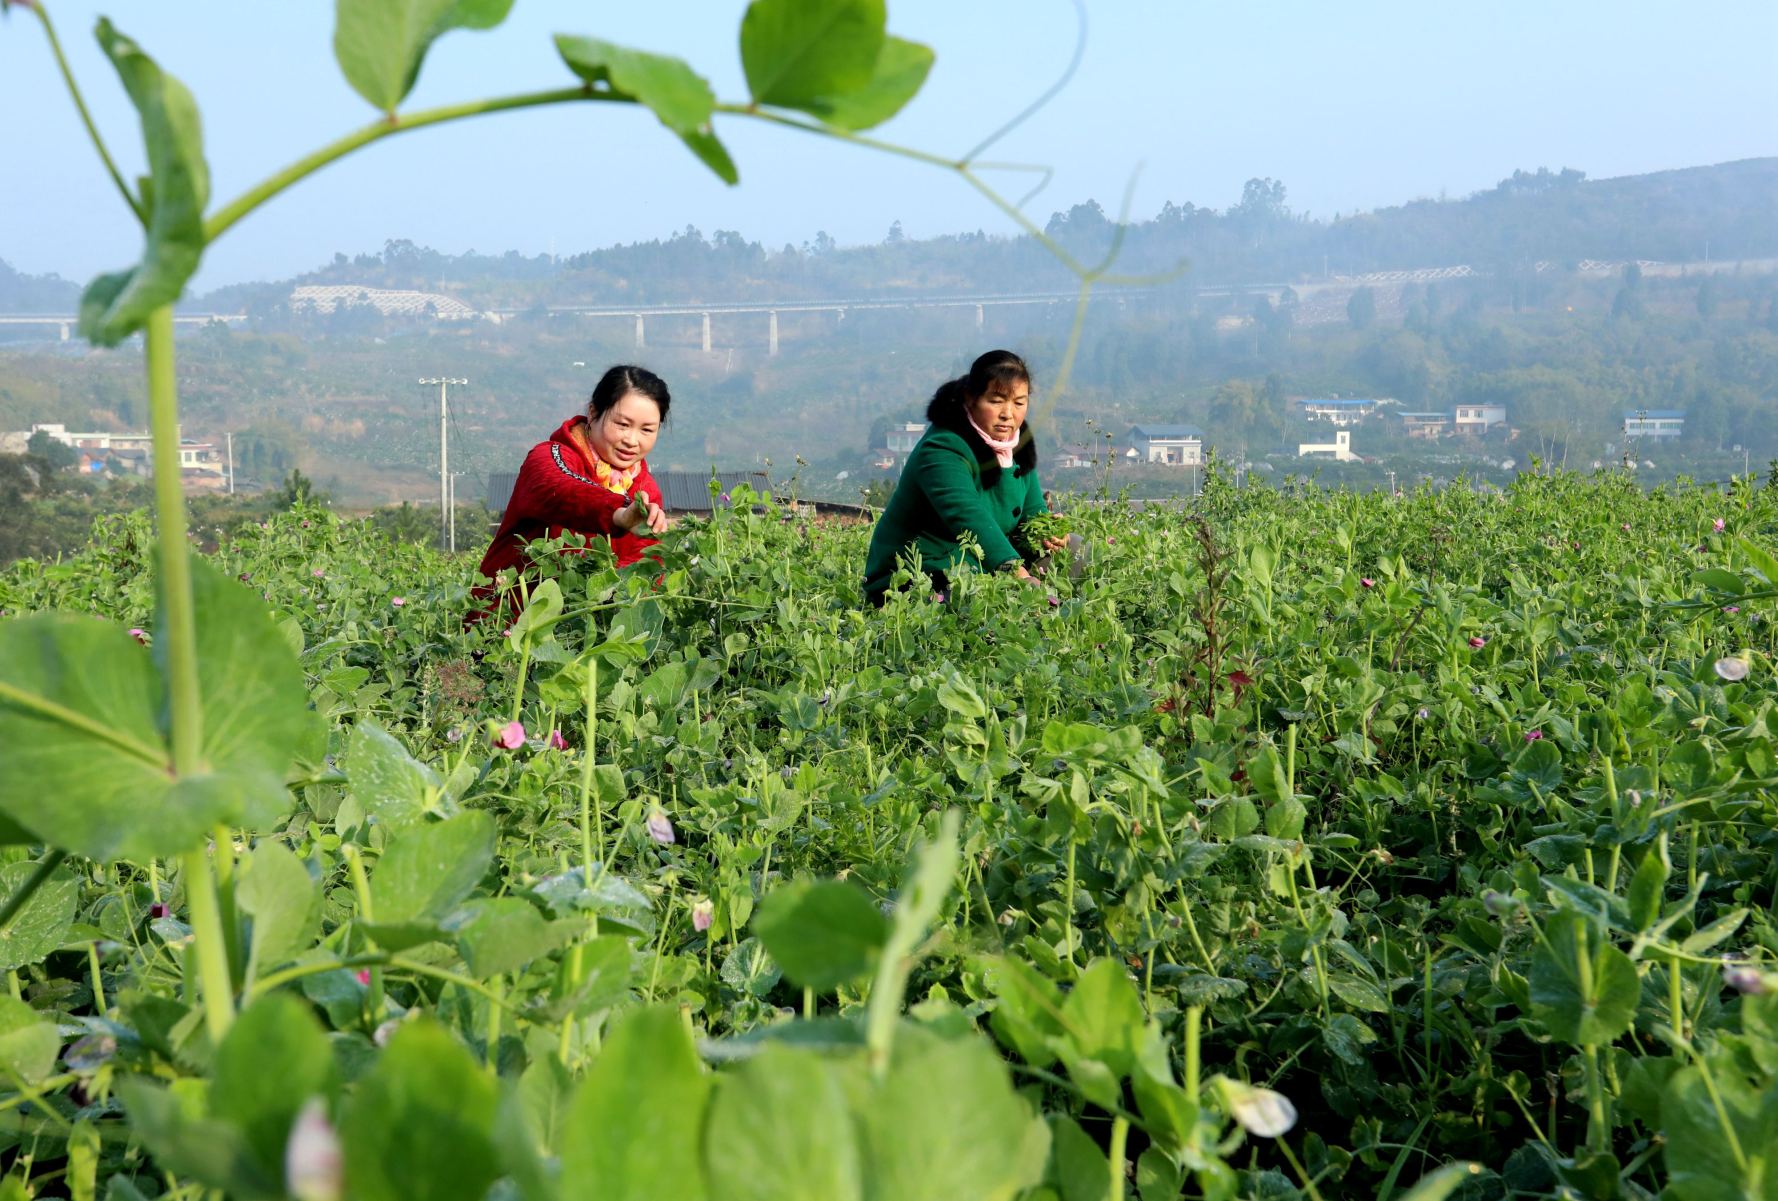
(1307, 844)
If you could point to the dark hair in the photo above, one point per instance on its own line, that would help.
(948, 410)
(620, 381)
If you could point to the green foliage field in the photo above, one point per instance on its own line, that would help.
(1446, 819)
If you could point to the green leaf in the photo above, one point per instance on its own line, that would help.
(41, 924)
(115, 306)
(171, 1124)
(29, 1042)
(274, 1059)
(82, 715)
(666, 86)
(1648, 887)
(1078, 1164)
(780, 1129)
(1700, 1158)
(822, 934)
(901, 71)
(799, 52)
(418, 1127)
(497, 935)
(1594, 1014)
(946, 1123)
(276, 891)
(426, 873)
(1029, 1014)
(543, 609)
(634, 1127)
(1103, 1016)
(389, 783)
(380, 44)
(1442, 1182)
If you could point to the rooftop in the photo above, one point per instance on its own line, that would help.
(1655, 415)
(1165, 431)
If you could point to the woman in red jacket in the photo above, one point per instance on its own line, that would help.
(591, 478)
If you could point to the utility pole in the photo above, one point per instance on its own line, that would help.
(230, 436)
(444, 383)
(1392, 482)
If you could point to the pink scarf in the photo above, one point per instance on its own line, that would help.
(1002, 450)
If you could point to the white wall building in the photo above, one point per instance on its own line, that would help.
(1174, 445)
(1479, 419)
(1340, 449)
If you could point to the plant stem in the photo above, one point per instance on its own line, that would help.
(1194, 1017)
(86, 117)
(1120, 1131)
(181, 660)
(212, 950)
(395, 123)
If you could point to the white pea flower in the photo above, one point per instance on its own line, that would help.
(1258, 1110)
(1732, 669)
(313, 1167)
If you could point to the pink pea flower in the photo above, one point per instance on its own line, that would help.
(317, 573)
(1367, 582)
(139, 634)
(364, 976)
(1731, 608)
(556, 741)
(1055, 601)
(314, 1166)
(660, 828)
(1718, 525)
(454, 734)
(1109, 540)
(160, 909)
(1477, 643)
(511, 736)
(1625, 527)
(1745, 980)
(398, 601)
(703, 913)
(1533, 735)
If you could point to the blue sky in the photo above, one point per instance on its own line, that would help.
(1352, 105)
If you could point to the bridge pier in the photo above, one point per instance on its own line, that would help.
(706, 333)
(772, 334)
(978, 318)
(641, 341)
(64, 328)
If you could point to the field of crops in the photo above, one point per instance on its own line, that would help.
(1309, 844)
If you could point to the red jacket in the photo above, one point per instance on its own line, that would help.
(556, 493)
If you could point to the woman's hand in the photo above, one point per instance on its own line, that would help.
(1052, 545)
(639, 512)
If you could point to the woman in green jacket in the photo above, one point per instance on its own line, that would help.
(974, 471)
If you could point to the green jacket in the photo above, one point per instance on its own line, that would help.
(939, 496)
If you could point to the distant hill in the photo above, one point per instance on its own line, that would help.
(1727, 211)
(20, 293)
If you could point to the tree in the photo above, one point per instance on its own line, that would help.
(1707, 301)
(57, 454)
(895, 237)
(1361, 310)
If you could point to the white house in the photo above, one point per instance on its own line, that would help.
(1341, 410)
(1340, 449)
(1176, 445)
(1479, 418)
(1654, 423)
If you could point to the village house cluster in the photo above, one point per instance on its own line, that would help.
(105, 455)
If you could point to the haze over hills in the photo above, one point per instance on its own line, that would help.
(1553, 320)
(1726, 211)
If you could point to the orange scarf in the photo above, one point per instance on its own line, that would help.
(617, 481)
